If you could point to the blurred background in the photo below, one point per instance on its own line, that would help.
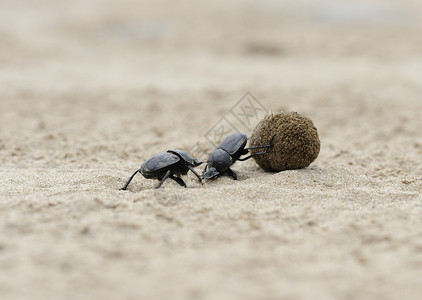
(195, 45)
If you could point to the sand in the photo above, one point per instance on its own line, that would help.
(91, 89)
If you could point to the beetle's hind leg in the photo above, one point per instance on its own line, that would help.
(252, 155)
(263, 146)
(167, 175)
(257, 147)
(130, 179)
(178, 180)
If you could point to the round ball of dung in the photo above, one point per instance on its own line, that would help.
(293, 138)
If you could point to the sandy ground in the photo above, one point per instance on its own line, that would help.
(91, 89)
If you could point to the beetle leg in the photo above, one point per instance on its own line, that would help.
(196, 174)
(178, 180)
(252, 155)
(257, 147)
(130, 179)
(231, 173)
(164, 178)
(263, 146)
(205, 170)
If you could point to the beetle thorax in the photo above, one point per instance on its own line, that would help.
(220, 160)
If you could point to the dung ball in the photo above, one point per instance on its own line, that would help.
(294, 142)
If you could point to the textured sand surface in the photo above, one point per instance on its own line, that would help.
(91, 89)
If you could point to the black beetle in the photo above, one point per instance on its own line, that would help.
(226, 154)
(170, 164)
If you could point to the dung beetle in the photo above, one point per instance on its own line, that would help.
(226, 154)
(170, 164)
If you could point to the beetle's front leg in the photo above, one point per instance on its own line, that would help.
(231, 173)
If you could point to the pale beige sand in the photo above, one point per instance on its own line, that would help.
(90, 91)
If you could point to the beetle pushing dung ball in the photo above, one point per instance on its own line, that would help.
(227, 153)
(279, 142)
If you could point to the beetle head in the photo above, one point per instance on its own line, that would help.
(210, 173)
